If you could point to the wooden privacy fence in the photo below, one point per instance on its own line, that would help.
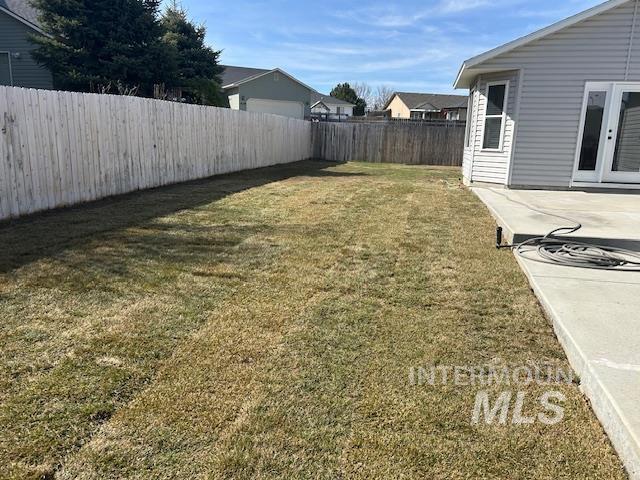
(410, 143)
(64, 148)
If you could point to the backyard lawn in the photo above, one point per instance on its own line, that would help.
(264, 324)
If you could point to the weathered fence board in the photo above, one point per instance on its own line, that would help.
(409, 143)
(64, 148)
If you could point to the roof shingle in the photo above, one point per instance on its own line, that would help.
(436, 100)
(319, 97)
(233, 74)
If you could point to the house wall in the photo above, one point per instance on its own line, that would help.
(490, 166)
(555, 69)
(344, 109)
(275, 86)
(14, 38)
(398, 108)
(234, 101)
(457, 115)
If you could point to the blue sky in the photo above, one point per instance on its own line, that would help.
(409, 45)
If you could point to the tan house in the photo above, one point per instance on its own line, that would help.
(427, 106)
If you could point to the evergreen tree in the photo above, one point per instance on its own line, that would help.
(197, 65)
(345, 92)
(96, 45)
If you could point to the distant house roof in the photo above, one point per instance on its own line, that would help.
(23, 11)
(320, 104)
(327, 99)
(233, 74)
(426, 106)
(418, 101)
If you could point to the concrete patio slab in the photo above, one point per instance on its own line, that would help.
(595, 313)
(607, 218)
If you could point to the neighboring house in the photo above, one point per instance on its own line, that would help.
(18, 21)
(267, 91)
(275, 91)
(427, 106)
(326, 106)
(559, 107)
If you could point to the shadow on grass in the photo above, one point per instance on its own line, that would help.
(46, 234)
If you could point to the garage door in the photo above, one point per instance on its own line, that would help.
(277, 107)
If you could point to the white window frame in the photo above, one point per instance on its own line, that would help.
(602, 174)
(503, 116)
(596, 174)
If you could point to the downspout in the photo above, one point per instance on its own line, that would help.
(633, 31)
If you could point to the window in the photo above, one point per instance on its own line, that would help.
(338, 110)
(467, 133)
(495, 116)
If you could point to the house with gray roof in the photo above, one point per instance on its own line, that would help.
(330, 108)
(18, 22)
(277, 92)
(427, 106)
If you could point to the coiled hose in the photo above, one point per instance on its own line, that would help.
(555, 250)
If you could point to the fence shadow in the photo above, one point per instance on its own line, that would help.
(45, 234)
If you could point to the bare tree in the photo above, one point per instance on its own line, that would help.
(364, 91)
(381, 96)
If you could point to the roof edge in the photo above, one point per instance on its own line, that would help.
(23, 20)
(253, 77)
(394, 95)
(538, 34)
(326, 99)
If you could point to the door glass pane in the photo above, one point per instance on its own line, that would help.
(627, 154)
(592, 129)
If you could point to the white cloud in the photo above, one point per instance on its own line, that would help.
(455, 6)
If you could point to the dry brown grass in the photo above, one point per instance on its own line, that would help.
(262, 325)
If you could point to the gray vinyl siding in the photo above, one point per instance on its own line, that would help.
(555, 69)
(268, 88)
(490, 166)
(14, 38)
